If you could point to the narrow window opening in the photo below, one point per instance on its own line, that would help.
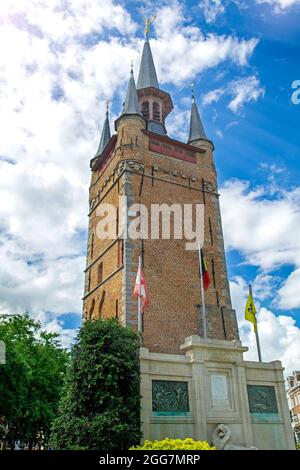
(91, 310)
(156, 111)
(101, 303)
(100, 273)
(145, 109)
(92, 246)
(210, 231)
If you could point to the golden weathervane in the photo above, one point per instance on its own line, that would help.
(148, 23)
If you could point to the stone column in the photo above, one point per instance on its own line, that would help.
(199, 398)
(145, 390)
(241, 385)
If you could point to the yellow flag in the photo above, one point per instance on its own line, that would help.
(250, 311)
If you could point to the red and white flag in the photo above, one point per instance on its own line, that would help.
(140, 288)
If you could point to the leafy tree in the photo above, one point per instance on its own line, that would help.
(30, 380)
(100, 405)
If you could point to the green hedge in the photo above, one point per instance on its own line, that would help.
(174, 444)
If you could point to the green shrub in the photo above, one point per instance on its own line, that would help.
(100, 404)
(174, 444)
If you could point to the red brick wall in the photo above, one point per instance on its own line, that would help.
(171, 272)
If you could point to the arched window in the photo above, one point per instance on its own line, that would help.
(145, 109)
(156, 111)
(91, 310)
(102, 298)
(100, 273)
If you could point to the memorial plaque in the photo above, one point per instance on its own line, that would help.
(262, 399)
(170, 396)
(219, 387)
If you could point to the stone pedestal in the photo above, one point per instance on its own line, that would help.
(189, 395)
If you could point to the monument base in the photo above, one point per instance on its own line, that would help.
(190, 395)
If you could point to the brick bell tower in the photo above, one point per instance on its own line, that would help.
(141, 162)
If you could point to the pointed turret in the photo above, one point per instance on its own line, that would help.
(155, 104)
(131, 109)
(147, 75)
(131, 105)
(105, 135)
(196, 127)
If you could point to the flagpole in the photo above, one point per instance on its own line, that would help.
(140, 297)
(256, 331)
(202, 294)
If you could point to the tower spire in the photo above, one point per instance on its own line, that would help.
(131, 105)
(196, 127)
(147, 74)
(105, 135)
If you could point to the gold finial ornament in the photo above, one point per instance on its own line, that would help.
(148, 23)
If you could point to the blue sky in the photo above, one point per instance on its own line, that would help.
(60, 62)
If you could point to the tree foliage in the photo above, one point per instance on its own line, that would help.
(30, 380)
(100, 406)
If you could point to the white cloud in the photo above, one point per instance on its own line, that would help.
(214, 8)
(50, 141)
(178, 122)
(279, 335)
(265, 230)
(289, 295)
(211, 9)
(244, 90)
(68, 20)
(265, 285)
(213, 96)
(241, 91)
(231, 124)
(54, 325)
(181, 52)
(51, 285)
(57, 68)
(44, 51)
(180, 58)
(280, 5)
